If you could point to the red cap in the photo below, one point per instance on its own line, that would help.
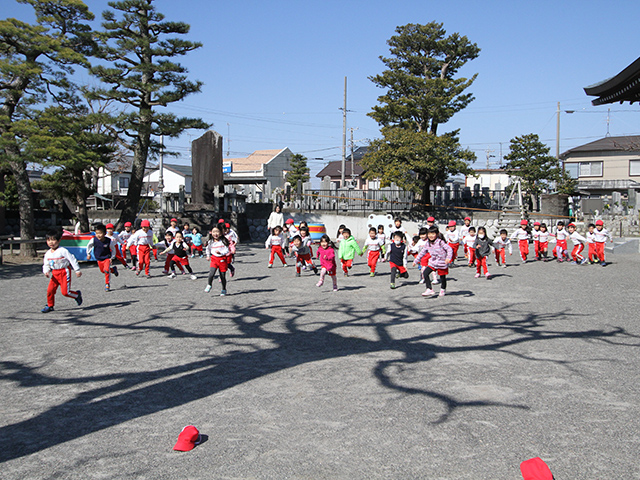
(524, 222)
(127, 224)
(467, 218)
(174, 220)
(187, 440)
(221, 220)
(536, 223)
(535, 469)
(145, 223)
(431, 219)
(452, 223)
(289, 220)
(226, 225)
(599, 222)
(109, 225)
(572, 225)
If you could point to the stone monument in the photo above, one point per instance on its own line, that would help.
(206, 163)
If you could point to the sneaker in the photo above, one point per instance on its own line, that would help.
(47, 309)
(133, 268)
(442, 293)
(192, 255)
(285, 265)
(232, 272)
(477, 275)
(487, 275)
(428, 292)
(148, 275)
(115, 271)
(319, 284)
(137, 272)
(504, 265)
(183, 272)
(335, 289)
(346, 274)
(584, 260)
(223, 293)
(436, 281)
(207, 289)
(79, 298)
(193, 277)
(315, 270)
(372, 274)
(107, 288)
(393, 285)
(297, 274)
(270, 265)
(173, 275)
(421, 280)
(604, 264)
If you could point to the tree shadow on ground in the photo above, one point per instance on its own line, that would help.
(303, 335)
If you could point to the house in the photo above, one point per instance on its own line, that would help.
(611, 164)
(174, 177)
(491, 178)
(260, 167)
(353, 172)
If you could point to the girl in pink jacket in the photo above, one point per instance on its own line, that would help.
(327, 256)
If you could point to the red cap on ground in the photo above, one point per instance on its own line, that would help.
(127, 224)
(431, 219)
(289, 220)
(109, 225)
(467, 218)
(599, 222)
(187, 440)
(535, 469)
(145, 223)
(452, 223)
(524, 222)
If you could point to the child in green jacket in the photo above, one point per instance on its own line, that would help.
(347, 251)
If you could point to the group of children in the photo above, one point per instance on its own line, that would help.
(108, 247)
(434, 252)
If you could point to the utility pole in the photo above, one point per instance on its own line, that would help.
(228, 139)
(161, 175)
(489, 156)
(344, 134)
(353, 175)
(558, 133)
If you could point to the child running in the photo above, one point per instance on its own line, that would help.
(124, 237)
(180, 257)
(601, 235)
(143, 241)
(522, 235)
(104, 251)
(383, 238)
(543, 238)
(347, 251)
(578, 245)
(217, 251)
(196, 242)
(440, 256)
(452, 237)
(482, 247)
(561, 252)
(327, 256)
(58, 263)
(397, 253)
(500, 246)
(375, 246)
(117, 241)
(131, 246)
(302, 253)
(469, 241)
(591, 238)
(464, 233)
(275, 242)
(535, 234)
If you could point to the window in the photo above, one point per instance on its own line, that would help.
(634, 167)
(573, 169)
(123, 182)
(590, 169)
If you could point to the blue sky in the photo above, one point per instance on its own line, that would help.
(273, 71)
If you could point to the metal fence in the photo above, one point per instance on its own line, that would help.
(348, 200)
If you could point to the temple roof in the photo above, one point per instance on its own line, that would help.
(623, 87)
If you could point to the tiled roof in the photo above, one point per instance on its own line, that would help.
(629, 143)
(254, 161)
(333, 169)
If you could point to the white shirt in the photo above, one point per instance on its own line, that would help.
(58, 259)
(275, 220)
(452, 237)
(577, 238)
(373, 244)
(520, 234)
(602, 235)
(141, 238)
(274, 240)
(562, 234)
(470, 240)
(499, 244)
(217, 249)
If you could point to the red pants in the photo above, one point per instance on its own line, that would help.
(167, 262)
(561, 249)
(600, 250)
(465, 249)
(544, 246)
(105, 267)
(219, 262)
(524, 248)
(400, 268)
(501, 256)
(60, 278)
(346, 264)
(300, 259)
(120, 257)
(536, 249)
(471, 252)
(575, 253)
(276, 250)
(372, 259)
(592, 252)
(144, 258)
(424, 261)
(196, 248)
(481, 264)
(454, 247)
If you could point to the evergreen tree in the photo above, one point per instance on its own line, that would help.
(138, 71)
(299, 170)
(35, 61)
(421, 93)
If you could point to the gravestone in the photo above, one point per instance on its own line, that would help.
(206, 164)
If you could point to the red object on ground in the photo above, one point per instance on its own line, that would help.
(535, 469)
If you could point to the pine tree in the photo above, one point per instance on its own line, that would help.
(299, 170)
(138, 71)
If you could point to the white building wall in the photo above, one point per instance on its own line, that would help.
(172, 181)
(275, 168)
